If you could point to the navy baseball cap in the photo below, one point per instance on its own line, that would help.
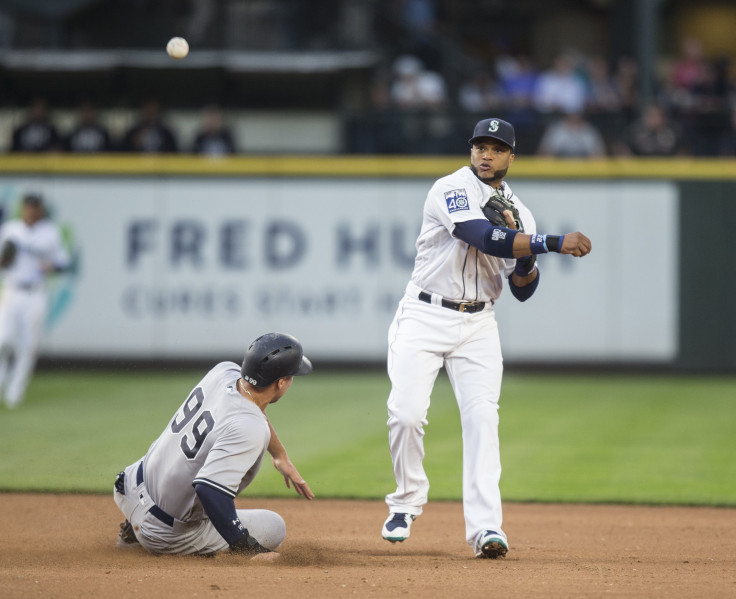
(495, 129)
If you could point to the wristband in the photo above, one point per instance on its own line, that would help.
(541, 244)
(538, 244)
(525, 266)
(523, 272)
(554, 242)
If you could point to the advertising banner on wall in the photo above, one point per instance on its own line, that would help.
(178, 267)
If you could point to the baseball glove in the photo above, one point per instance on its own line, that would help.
(496, 206)
(8, 253)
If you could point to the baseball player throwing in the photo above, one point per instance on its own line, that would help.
(179, 498)
(31, 248)
(475, 232)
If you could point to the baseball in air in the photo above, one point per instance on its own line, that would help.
(177, 47)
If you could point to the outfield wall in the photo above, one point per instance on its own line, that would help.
(181, 258)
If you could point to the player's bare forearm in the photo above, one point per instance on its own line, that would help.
(286, 468)
(275, 446)
(522, 245)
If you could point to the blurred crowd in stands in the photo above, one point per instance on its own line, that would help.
(149, 134)
(580, 107)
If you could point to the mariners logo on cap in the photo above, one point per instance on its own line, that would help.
(493, 126)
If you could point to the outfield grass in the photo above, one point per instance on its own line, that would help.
(563, 438)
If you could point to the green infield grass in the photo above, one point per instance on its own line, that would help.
(633, 439)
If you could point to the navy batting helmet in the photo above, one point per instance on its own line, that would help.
(274, 356)
(495, 129)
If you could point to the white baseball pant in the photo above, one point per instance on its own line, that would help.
(22, 311)
(422, 338)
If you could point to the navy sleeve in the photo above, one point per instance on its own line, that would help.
(489, 239)
(524, 293)
(472, 232)
(220, 509)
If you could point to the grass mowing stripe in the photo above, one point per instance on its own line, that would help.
(563, 438)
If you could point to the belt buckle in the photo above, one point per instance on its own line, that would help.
(462, 305)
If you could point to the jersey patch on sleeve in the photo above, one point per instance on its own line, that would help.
(457, 199)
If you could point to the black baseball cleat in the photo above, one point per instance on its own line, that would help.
(126, 537)
(490, 545)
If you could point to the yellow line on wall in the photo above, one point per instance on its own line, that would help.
(359, 166)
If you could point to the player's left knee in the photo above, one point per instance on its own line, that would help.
(271, 530)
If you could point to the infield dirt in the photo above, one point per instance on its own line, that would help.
(64, 546)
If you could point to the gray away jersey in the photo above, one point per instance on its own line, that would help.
(217, 437)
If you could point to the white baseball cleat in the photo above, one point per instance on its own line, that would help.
(490, 544)
(397, 527)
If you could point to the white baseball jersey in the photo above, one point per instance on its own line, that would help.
(448, 266)
(38, 244)
(217, 438)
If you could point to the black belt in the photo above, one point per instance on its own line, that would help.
(154, 510)
(459, 306)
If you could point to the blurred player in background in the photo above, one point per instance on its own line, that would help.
(179, 497)
(31, 249)
(475, 233)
